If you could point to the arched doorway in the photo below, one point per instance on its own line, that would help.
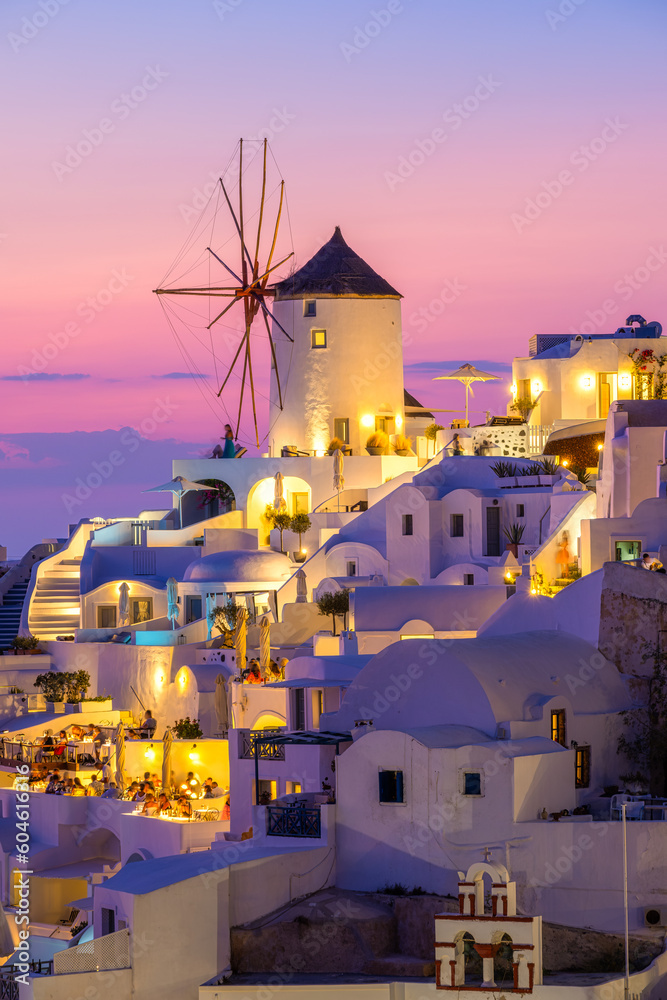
(503, 975)
(200, 505)
(297, 495)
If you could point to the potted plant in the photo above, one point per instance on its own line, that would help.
(336, 605)
(25, 644)
(548, 471)
(514, 534)
(223, 618)
(523, 405)
(300, 524)
(282, 521)
(528, 475)
(187, 729)
(402, 445)
(377, 443)
(431, 432)
(335, 445)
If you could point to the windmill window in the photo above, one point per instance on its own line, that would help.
(407, 524)
(318, 338)
(309, 308)
(391, 786)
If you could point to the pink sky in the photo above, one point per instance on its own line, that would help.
(344, 120)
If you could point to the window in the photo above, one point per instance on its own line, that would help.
(520, 510)
(384, 424)
(299, 503)
(299, 709)
(407, 524)
(309, 308)
(468, 579)
(141, 610)
(472, 783)
(391, 786)
(558, 726)
(456, 526)
(292, 787)
(523, 389)
(318, 338)
(352, 567)
(342, 429)
(193, 609)
(626, 551)
(106, 616)
(582, 767)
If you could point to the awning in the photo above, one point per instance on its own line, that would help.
(311, 682)
(303, 739)
(85, 904)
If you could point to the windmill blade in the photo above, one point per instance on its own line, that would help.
(220, 315)
(221, 261)
(236, 221)
(262, 277)
(268, 311)
(231, 367)
(274, 359)
(261, 215)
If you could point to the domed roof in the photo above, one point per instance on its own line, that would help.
(239, 566)
(335, 270)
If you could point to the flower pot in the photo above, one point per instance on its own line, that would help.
(375, 451)
(514, 549)
(403, 452)
(547, 480)
(299, 557)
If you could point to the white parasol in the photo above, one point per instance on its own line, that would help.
(264, 645)
(124, 604)
(240, 636)
(178, 485)
(278, 498)
(467, 374)
(166, 761)
(338, 478)
(301, 587)
(120, 757)
(221, 703)
(210, 604)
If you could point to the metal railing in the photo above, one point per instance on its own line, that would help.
(266, 751)
(293, 821)
(105, 953)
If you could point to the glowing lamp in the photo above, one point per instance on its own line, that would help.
(513, 389)
(587, 382)
(600, 447)
(624, 381)
(536, 386)
(565, 463)
(533, 591)
(399, 420)
(368, 420)
(150, 753)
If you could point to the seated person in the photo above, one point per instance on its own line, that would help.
(147, 727)
(229, 449)
(76, 733)
(56, 785)
(141, 794)
(61, 744)
(183, 807)
(648, 562)
(111, 792)
(95, 786)
(274, 672)
(89, 732)
(207, 789)
(163, 803)
(78, 788)
(150, 805)
(131, 791)
(191, 787)
(225, 810)
(155, 781)
(253, 675)
(216, 790)
(46, 747)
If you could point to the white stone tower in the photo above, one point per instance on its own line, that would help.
(343, 375)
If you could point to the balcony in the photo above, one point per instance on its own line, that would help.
(293, 821)
(266, 751)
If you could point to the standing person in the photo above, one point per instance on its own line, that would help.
(457, 447)
(229, 451)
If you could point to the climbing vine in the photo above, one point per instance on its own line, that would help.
(649, 373)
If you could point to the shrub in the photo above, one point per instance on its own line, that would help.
(70, 687)
(335, 445)
(431, 431)
(299, 524)
(378, 439)
(223, 617)
(336, 605)
(523, 405)
(282, 522)
(25, 642)
(504, 470)
(514, 533)
(402, 443)
(187, 729)
(548, 466)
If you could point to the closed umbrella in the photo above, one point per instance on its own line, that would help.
(278, 498)
(338, 479)
(467, 374)
(6, 942)
(172, 601)
(264, 645)
(210, 604)
(221, 703)
(301, 587)
(124, 604)
(178, 485)
(166, 760)
(240, 637)
(120, 757)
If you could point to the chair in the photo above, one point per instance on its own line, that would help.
(240, 452)
(68, 921)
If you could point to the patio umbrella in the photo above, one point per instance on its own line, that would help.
(240, 636)
(120, 757)
(221, 703)
(166, 760)
(264, 645)
(338, 479)
(301, 587)
(6, 943)
(178, 485)
(467, 374)
(210, 604)
(278, 498)
(124, 604)
(172, 601)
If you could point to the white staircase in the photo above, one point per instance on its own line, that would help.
(55, 607)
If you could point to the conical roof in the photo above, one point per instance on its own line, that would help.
(335, 270)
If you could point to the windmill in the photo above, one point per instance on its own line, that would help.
(250, 270)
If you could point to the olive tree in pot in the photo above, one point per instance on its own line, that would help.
(337, 605)
(300, 524)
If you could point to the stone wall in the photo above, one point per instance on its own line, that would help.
(633, 613)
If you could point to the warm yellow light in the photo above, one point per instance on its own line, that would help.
(586, 382)
(368, 420)
(565, 463)
(624, 381)
(193, 755)
(150, 753)
(533, 591)
(126, 585)
(600, 447)
(159, 677)
(536, 386)
(513, 389)
(399, 420)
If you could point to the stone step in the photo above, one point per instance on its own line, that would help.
(400, 967)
